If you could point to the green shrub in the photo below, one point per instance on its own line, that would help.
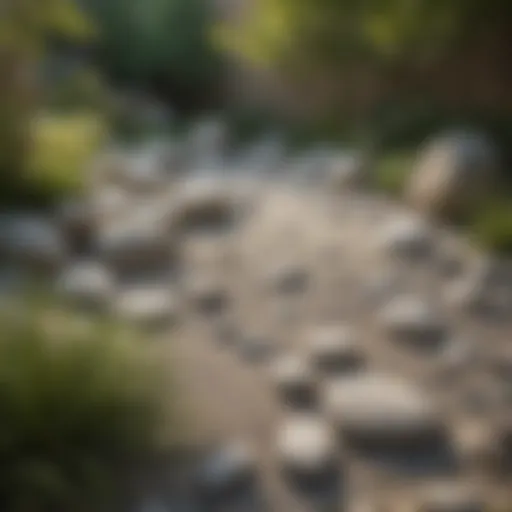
(62, 145)
(491, 226)
(80, 405)
(392, 170)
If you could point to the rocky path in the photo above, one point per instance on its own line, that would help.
(334, 350)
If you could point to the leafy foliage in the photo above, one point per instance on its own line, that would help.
(156, 42)
(323, 33)
(79, 404)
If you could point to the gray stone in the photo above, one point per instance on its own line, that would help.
(335, 348)
(294, 380)
(31, 241)
(381, 410)
(147, 306)
(407, 237)
(87, 284)
(203, 203)
(306, 446)
(129, 245)
(411, 319)
(453, 174)
(348, 171)
(226, 468)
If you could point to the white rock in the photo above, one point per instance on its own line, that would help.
(380, 409)
(410, 318)
(226, 468)
(453, 174)
(147, 306)
(406, 237)
(88, 284)
(335, 348)
(306, 445)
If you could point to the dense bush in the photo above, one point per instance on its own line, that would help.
(61, 147)
(158, 45)
(80, 405)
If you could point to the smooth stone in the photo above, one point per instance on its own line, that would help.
(147, 306)
(410, 318)
(87, 284)
(294, 380)
(454, 173)
(32, 241)
(204, 204)
(128, 247)
(407, 238)
(226, 469)
(381, 410)
(307, 446)
(335, 349)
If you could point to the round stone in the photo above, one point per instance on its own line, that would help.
(307, 446)
(31, 241)
(127, 246)
(294, 380)
(147, 306)
(382, 410)
(407, 238)
(335, 349)
(227, 468)
(87, 284)
(203, 205)
(412, 319)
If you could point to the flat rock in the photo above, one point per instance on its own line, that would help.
(294, 379)
(412, 319)
(88, 284)
(129, 246)
(32, 241)
(306, 446)
(380, 409)
(147, 306)
(226, 469)
(408, 238)
(335, 348)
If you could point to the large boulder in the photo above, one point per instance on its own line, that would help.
(453, 173)
(381, 411)
(307, 446)
(86, 284)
